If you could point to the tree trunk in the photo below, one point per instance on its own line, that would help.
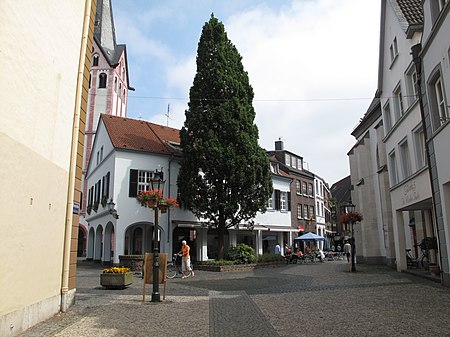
(221, 229)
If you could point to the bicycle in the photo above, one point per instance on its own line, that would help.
(174, 268)
(422, 260)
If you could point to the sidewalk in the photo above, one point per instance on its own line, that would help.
(317, 299)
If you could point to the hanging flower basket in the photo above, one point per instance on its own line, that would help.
(350, 217)
(150, 198)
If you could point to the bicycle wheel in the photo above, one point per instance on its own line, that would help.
(424, 262)
(171, 271)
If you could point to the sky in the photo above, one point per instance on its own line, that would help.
(313, 66)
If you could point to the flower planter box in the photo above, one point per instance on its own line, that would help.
(116, 281)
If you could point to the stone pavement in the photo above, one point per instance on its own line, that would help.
(317, 299)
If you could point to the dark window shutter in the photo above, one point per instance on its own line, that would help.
(103, 186)
(132, 192)
(288, 201)
(97, 198)
(95, 193)
(277, 199)
(108, 177)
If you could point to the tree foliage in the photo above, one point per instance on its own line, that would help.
(225, 175)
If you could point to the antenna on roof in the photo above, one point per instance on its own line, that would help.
(168, 114)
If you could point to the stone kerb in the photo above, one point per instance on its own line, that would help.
(238, 267)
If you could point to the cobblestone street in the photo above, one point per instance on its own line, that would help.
(316, 299)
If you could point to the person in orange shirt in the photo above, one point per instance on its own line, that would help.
(186, 260)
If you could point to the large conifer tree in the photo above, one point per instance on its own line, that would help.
(225, 176)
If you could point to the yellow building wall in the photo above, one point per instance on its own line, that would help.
(39, 59)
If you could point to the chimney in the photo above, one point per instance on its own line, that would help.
(279, 146)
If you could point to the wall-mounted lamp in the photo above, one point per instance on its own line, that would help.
(112, 210)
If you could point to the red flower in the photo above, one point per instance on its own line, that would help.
(350, 217)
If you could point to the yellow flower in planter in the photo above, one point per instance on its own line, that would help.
(116, 270)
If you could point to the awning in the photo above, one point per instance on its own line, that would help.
(275, 228)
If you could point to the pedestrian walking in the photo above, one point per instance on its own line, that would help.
(186, 259)
(277, 248)
(347, 250)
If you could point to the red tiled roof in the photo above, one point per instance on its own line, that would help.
(412, 11)
(139, 135)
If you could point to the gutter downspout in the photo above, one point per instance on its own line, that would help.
(73, 160)
(417, 59)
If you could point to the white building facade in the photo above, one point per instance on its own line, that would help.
(435, 88)
(121, 165)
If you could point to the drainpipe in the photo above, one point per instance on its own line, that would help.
(417, 59)
(73, 161)
(169, 225)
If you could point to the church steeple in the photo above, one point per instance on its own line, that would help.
(104, 31)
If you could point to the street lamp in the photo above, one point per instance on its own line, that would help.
(350, 209)
(157, 183)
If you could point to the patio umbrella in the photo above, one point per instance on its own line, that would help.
(310, 236)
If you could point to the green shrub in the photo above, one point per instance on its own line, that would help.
(242, 254)
(269, 257)
(217, 262)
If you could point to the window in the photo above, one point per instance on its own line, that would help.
(102, 80)
(294, 162)
(437, 102)
(405, 159)
(299, 164)
(398, 103)
(310, 190)
(101, 153)
(305, 211)
(412, 85)
(311, 212)
(299, 211)
(387, 118)
(393, 168)
(95, 61)
(139, 181)
(297, 186)
(144, 180)
(419, 147)
(321, 188)
(90, 80)
(115, 84)
(393, 50)
(304, 187)
(287, 159)
(436, 8)
(440, 100)
(318, 207)
(283, 198)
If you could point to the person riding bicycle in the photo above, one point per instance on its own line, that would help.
(185, 259)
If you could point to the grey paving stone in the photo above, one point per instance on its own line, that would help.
(317, 299)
